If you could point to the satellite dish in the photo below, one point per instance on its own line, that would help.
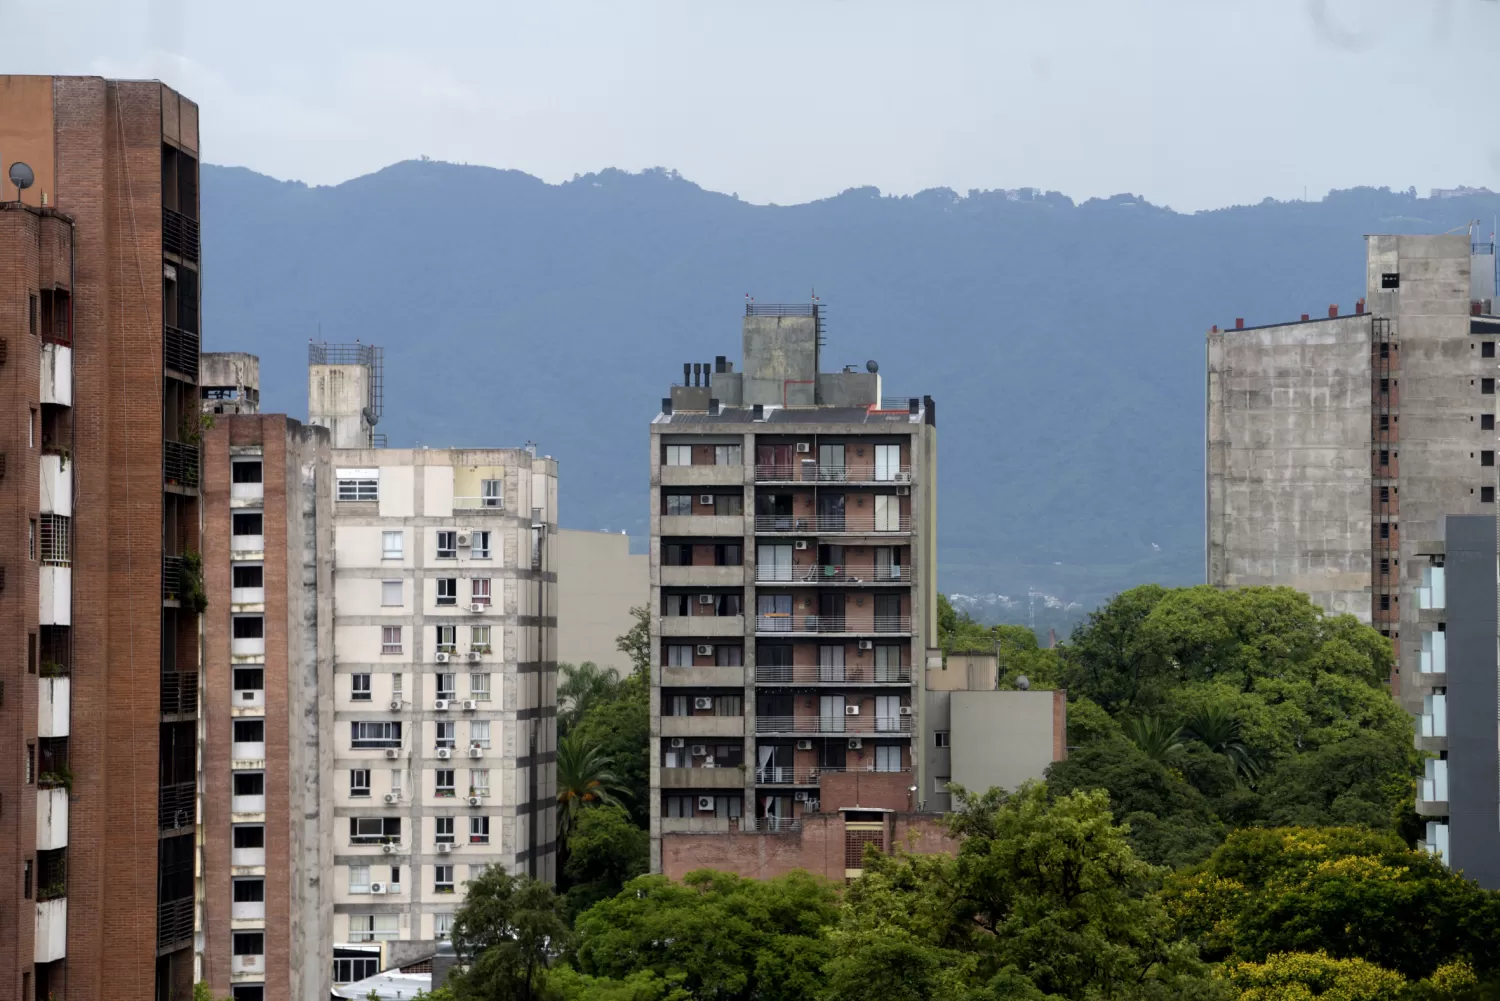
(872, 366)
(371, 418)
(1023, 683)
(21, 176)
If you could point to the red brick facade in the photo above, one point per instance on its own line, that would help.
(822, 847)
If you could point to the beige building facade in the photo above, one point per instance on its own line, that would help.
(599, 582)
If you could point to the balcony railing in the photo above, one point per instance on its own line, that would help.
(824, 624)
(809, 774)
(829, 574)
(179, 693)
(180, 351)
(861, 725)
(844, 674)
(173, 571)
(176, 806)
(179, 234)
(859, 523)
(174, 922)
(813, 471)
(179, 463)
(774, 825)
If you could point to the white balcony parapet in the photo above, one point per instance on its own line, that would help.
(51, 942)
(51, 818)
(54, 698)
(1434, 657)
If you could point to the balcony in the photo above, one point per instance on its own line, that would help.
(1434, 655)
(54, 699)
(57, 485)
(51, 818)
(492, 504)
(56, 586)
(179, 693)
(1433, 592)
(703, 677)
(180, 465)
(829, 674)
(176, 806)
(703, 778)
(1432, 724)
(244, 750)
(179, 235)
(703, 625)
(702, 576)
(51, 931)
(57, 374)
(1432, 789)
(863, 725)
(174, 922)
(776, 825)
(702, 525)
(822, 575)
(700, 727)
(700, 476)
(706, 824)
(247, 965)
(809, 775)
(180, 352)
(244, 858)
(833, 625)
(813, 471)
(857, 522)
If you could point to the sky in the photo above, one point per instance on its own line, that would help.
(1191, 103)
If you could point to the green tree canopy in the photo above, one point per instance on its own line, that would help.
(605, 851)
(506, 933)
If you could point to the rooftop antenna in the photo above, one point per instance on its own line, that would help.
(22, 177)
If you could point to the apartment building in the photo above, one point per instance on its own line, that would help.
(793, 530)
(444, 687)
(1342, 448)
(99, 461)
(599, 582)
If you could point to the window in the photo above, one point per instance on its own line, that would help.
(479, 687)
(678, 706)
(1486, 495)
(680, 806)
(30, 763)
(31, 429)
(676, 554)
(249, 731)
(888, 758)
(729, 656)
(248, 523)
(249, 943)
(492, 493)
(678, 504)
(370, 734)
(447, 545)
(480, 550)
(444, 830)
(444, 783)
(395, 878)
(26, 880)
(479, 733)
(359, 782)
(249, 783)
(940, 784)
(249, 891)
(442, 879)
(247, 992)
(1385, 568)
(1385, 603)
(1487, 422)
(680, 655)
(729, 505)
(447, 686)
(249, 679)
(447, 639)
(31, 539)
(479, 638)
(445, 733)
(249, 627)
(479, 590)
(390, 639)
(1385, 422)
(479, 781)
(358, 484)
(1385, 530)
(374, 830)
(679, 455)
(249, 836)
(447, 591)
(1487, 458)
(1390, 279)
(248, 575)
(1385, 457)
(479, 830)
(1385, 385)
(941, 738)
(1385, 495)
(729, 604)
(1487, 386)
(392, 545)
(245, 471)
(442, 926)
(727, 455)
(373, 927)
(887, 462)
(391, 593)
(1487, 349)
(729, 705)
(346, 971)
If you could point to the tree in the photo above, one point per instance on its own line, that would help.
(636, 642)
(1157, 739)
(1291, 976)
(584, 779)
(505, 934)
(582, 686)
(605, 851)
(1217, 728)
(619, 727)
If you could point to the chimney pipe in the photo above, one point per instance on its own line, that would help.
(1476, 307)
(713, 407)
(707, 372)
(666, 405)
(687, 373)
(1333, 310)
(758, 412)
(913, 405)
(697, 374)
(1305, 317)
(719, 364)
(1359, 307)
(1215, 329)
(1239, 323)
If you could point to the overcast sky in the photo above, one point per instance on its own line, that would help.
(1192, 103)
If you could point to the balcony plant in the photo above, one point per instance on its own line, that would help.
(193, 594)
(61, 776)
(52, 669)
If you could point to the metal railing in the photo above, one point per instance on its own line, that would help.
(1482, 248)
(782, 308)
(900, 403)
(832, 574)
(775, 825)
(55, 539)
(174, 921)
(176, 806)
(845, 674)
(179, 693)
(859, 523)
(180, 349)
(813, 471)
(173, 569)
(179, 463)
(862, 725)
(179, 234)
(809, 774)
(824, 624)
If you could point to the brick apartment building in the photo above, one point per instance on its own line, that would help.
(99, 636)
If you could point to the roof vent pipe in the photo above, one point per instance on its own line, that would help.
(666, 405)
(1359, 307)
(1333, 310)
(713, 407)
(758, 412)
(1306, 317)
(1239, 323)
(687, 373)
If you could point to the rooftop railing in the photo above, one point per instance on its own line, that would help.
(862, 725)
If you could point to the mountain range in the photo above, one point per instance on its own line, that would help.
(1062, 341)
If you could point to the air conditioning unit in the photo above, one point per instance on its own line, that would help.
(464, 538)
(475, 656)
(903, 491)
(444, 848)
(800, 795)
(247, 694)
(470, 705)
(476, 800)
(705, 649)
(804, 745)
(441, 705)
(393, 797)
(475, 606)
(851, 710)
(903, 477)
(700, 750)
(445, 753)
(867, 644)
(706, 803)
(855, 743)
(390, 847)
(705, 498)
(377, 887)
(676, 743)
(705, 599)
(906, 710)
(813, 805)
(703, 702)
(801, 543)
(441, 658)
(804, 446)
(476, 752)
(393, 752)
(396, 705)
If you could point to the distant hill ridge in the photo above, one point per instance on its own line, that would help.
(1062, 341)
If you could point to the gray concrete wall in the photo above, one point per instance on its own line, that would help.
(1482, 276)
(1473, 761)
(781, 360)
(848, 389)
(598, 583)
(1001, 739)
(1289, 485)
(235, 370)
(336, 397)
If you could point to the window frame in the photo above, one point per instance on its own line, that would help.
(479, 830)
(446, 591)
(479, 591)
(449, 551)
(476, 550)
(360, 687)
(357, 791)
(357, 489)
(390, 639)
(398, 552)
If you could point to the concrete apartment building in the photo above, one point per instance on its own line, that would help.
(1341, 448)
(599, 582)
(99, 465)
(793, 530)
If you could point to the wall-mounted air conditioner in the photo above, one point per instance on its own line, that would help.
(903, 477)
(393, 797)
(903, 491)
(804, 745)
(867, 644)
(705, 649)
(470, 705)
(391, 847)
(855, 743)
(441, 705)
(445, 753)
(851, 710)
(801, 543)
(705, 599)
(703, 702)
(441, 658)
(700, 750)
(804, 446)
(393, 752)
(377, 887)
(906, 710)
(476, 752)
(476, 800)
(706, 499)
(706, 804)
(800, 795)
(475, 606)
(444, 848)
(676, 743)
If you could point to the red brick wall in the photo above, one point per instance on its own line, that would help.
(818, 848)
(217, 681)
(278, 779)
(866, 790)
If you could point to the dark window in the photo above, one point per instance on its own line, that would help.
(1385, 350)
(1487, 386)
(26, 880)
(1487, 458)
(246, 472)
(1487, 422)
(1487, 349)
(1385, 530)
(1487, 495)
(1385, 422)
(249, 627)
(249, 575)
(1385, 603)
(249, 943)
(31, 653)
(249, 891)
(1390, 279)
(32, 315)
(1385, 385)
(249, 731)
(1385, 457)
(247, 524)
(249, 783)
(249, 678)
(249, 836)
(729, 554)
(1385, 495)
(1385, 568)
(252, 992)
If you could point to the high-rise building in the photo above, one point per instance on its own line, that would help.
(793, 533)
(99, 573)
(1341, 448)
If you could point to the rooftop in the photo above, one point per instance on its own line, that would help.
(889, 411)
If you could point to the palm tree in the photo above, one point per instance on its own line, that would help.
(1219, 729)
(582, 686)
(584, 779)
(1153, 736)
